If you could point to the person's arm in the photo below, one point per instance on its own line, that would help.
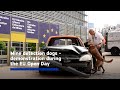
(103, 41)
(89, 39)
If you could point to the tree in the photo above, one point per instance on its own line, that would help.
(42, 45)
(33, 46)
(2, 45)
(12, 49)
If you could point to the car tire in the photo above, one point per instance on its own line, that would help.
(88, 69)
(115, 51)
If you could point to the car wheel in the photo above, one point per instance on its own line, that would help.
(115, 51)
(88, 69)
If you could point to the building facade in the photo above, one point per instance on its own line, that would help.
(90, 25)
(19, 29)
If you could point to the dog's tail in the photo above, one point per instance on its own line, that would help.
(108, 61)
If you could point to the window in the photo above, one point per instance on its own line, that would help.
(18, 46)
(3, 61)
(30, 46)
(4, 51)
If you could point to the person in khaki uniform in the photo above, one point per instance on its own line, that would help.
(98, 40)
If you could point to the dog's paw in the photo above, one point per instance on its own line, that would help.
(93, 72)
(103, 72)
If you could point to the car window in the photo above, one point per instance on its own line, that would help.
(56, 42)
(62, 42)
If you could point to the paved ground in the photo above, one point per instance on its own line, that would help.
(112, 72)
(112, 69)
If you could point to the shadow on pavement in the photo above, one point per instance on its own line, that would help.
(112, 55)
(57, 74)
(63, 74)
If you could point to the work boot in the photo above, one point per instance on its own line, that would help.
(99, 68)
(93, 69)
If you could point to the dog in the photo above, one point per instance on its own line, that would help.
(100, 59)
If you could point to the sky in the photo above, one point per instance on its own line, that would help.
(102, 18)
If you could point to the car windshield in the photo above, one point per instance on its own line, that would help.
(64, 41)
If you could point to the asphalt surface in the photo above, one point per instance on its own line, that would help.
(112, 72)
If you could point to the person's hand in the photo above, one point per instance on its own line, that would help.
(98, 46)
(90, 43)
